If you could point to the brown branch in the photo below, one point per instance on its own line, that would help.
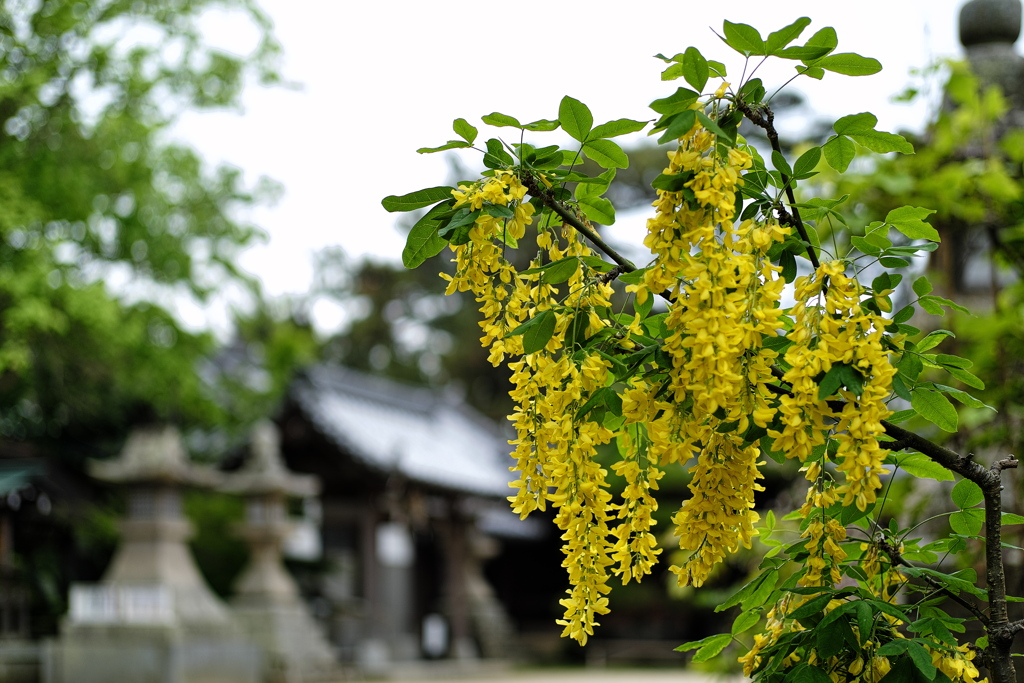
(566, 215)
(897, 558)
(1001, 632)
(624, 265)
(766, 121)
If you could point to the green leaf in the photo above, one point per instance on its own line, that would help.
(849, 64)
(694, 644)
(865, 246)
(542, 125)
(606, 153)
(934, 407)
(597, 263)
(712, 648)
(717, 69)
(909, 220)
(417, 200)
(679, 125)
(922, 660)
(963, 397)
(695, 68)
(423, 241)
(780, 163)
(902, 416)
(749, 589)
(496, 156)
(830, 638)
(882, 142)
(1009, 518)
(967, 522)
(922, 285)
(839, 151)
(807, 162)
(464, 130)
(806, 673)
(811, 607)
(501, 120)
(673, 72)
(561, 270)
(744, 621)
(714, 127)
(536, 331)
(498, 211)
(575, 118)
(855, 123)
(966, 494)
(752, 91)
(831, 382)
(451, 144)
(617, 127)
(922, 466)
(678, 101)
(966, 377)
(933, 339)
(804, 54)
(457, 229)
(784, 36)
(787, 261)
(743, 38)
(599, 210)
(824, 38)
(815, 72)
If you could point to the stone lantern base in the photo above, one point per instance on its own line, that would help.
(155, 653)
(293, 647)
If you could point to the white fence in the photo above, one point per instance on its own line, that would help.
(120, 605)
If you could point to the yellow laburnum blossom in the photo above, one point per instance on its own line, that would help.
(636, 548)
(719, 517)
(831, 328)
(724, 303)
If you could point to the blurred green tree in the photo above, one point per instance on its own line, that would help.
(91, 190)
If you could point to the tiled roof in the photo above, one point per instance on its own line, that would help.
(425, 435)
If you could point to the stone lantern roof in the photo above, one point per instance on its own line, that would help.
(264, 472)
(154, 455)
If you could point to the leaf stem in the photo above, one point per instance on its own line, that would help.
(766, 121)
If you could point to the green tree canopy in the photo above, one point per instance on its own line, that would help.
(90, 187)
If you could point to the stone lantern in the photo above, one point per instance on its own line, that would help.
(152, 618)
(988, 30)
(267, 601)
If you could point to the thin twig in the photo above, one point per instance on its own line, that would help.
(897, 558)
(766, 121)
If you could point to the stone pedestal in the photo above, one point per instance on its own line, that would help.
(267, 601)
(152, 618)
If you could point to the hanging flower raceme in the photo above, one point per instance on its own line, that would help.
(835, 336)
(719, 517)
(725, 294)
(480, 264)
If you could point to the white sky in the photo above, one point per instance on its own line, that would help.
(381, 79)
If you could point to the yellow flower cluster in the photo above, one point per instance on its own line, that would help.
(831, 328)
(725, 294)
(719, 517)
(480, 264)
(724, 304)
(636, 549)
(555, 452)
(957, 664)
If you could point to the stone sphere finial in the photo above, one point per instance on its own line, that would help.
(990, 21)
(265, 447)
